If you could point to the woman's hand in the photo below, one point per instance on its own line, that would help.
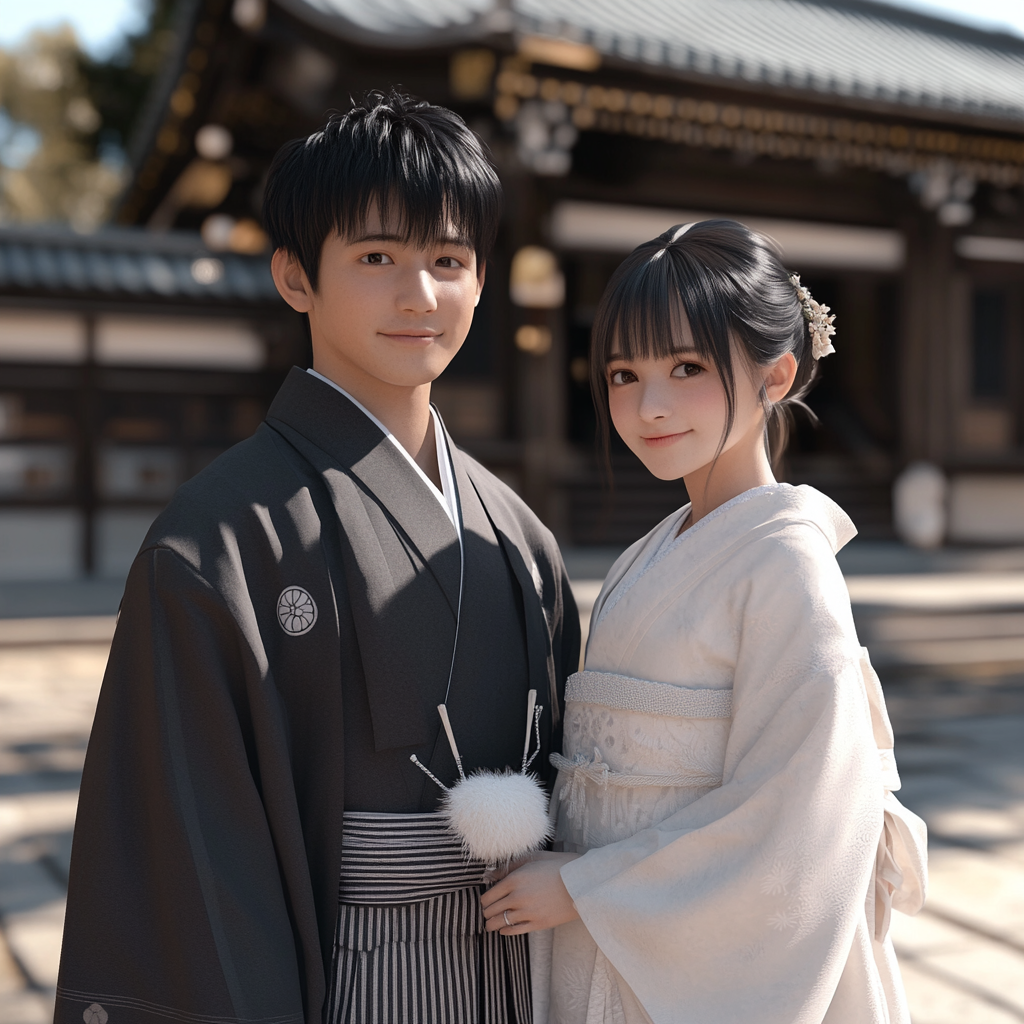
(533, 897)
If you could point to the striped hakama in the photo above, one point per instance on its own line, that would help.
(410, 946)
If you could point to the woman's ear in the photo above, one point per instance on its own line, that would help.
(779, 377)
(291, 280)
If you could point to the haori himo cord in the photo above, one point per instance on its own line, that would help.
(253, 841)
(728, 845)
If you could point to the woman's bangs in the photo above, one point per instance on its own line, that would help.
(645, 318)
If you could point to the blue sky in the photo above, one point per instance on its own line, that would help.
(989, 14)
(99, 23)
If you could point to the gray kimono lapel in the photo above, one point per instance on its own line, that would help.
(396, 553)
(352, 442)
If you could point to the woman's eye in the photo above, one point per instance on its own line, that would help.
(623, 377)
(687, 370)
(376, 259)
(449, 262)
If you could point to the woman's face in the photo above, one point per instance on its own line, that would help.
(672, 411)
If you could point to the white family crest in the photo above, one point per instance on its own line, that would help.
(296, 611)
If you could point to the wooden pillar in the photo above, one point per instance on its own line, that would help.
(542, 405)
(541, 389)
(87, 453)
(926, 405)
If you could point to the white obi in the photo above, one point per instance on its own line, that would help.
(636, 751)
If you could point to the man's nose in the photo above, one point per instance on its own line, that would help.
(418, 293)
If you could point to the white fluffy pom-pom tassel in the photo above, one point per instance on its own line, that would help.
(498, 815)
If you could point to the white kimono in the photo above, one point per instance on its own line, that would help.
(728, 775)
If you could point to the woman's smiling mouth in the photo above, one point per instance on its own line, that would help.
(664, 440)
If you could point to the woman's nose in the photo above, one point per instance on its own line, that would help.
(655, 403)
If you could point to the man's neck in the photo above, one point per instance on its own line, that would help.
(405, 411)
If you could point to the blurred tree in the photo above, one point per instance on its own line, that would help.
(65, 118)
(119, 84)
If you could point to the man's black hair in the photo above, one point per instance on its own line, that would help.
(425, 170)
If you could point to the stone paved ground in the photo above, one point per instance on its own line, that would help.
(950, 651)
(961, 754)
(963, 955)
(47, 698)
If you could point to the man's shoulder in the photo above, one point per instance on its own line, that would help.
(252, 475)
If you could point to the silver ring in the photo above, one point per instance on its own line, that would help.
(504, 914)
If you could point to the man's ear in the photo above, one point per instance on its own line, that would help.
(291, 280)
(779, 377)
(480, 275)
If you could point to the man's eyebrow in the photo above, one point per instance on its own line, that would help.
(382, 236)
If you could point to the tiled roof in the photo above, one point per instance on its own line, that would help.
(129, 263)
(403, 22)
(411, 18)
(845, 48)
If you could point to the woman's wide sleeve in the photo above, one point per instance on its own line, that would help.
(176, 907)
(743, 905)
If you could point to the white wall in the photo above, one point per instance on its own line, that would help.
(40, 544)
(29, 337)
(986, 509)
(178, 341)
(607, 227)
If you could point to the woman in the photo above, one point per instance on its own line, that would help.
(730, 843)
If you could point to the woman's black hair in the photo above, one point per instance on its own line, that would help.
(424, 169)
(727, 282)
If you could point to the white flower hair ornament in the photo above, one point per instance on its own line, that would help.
(819, 323)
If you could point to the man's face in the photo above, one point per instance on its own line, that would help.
(393, 311)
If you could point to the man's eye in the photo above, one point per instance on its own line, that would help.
(687, 370)
(376, 259)
(449, 262)
(623, 377)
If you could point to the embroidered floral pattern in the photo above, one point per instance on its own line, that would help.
(606, 746)
(776, 882)
(782, 920)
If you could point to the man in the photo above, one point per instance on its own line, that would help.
(289, 627)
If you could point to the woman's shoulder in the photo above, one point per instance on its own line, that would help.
(791, 567)
(803, 506)
(800, 534)
(775, 510)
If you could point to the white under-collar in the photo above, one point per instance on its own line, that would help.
(445, 496)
